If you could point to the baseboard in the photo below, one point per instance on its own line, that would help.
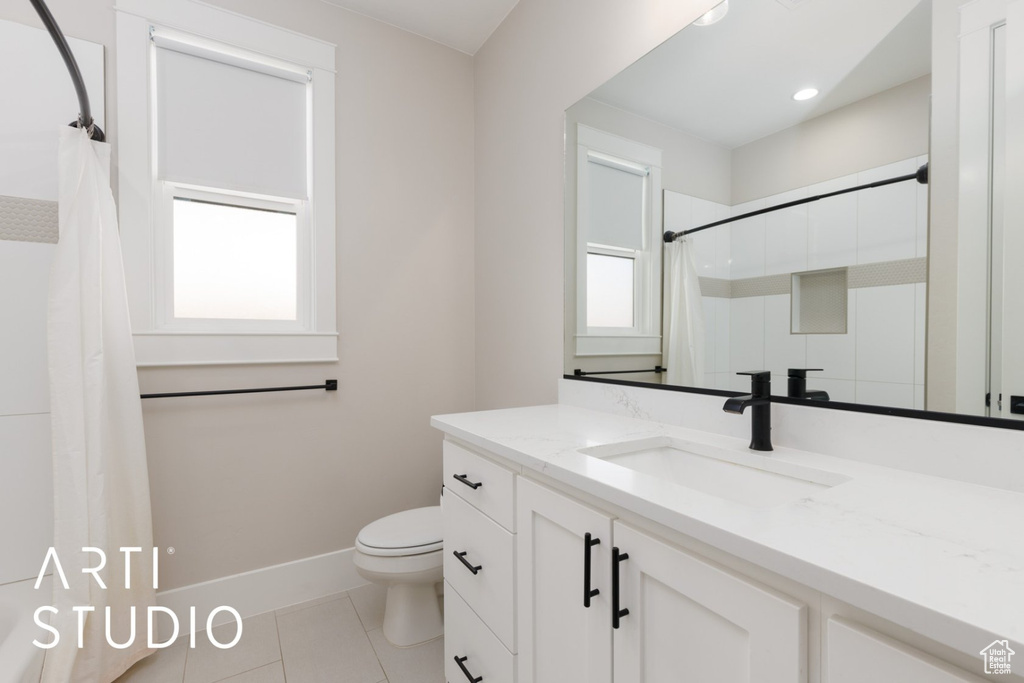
(263, 590)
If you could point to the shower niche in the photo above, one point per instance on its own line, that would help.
(819, 302)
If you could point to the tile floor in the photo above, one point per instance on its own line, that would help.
(337, 639)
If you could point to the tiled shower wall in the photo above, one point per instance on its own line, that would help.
(880, 359)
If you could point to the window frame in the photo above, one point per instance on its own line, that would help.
(644, 337)
(146, 201)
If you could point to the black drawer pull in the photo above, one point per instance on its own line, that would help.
(471, 484)
(616, 612)
(463, 560)
(461, 662)
(588, 543)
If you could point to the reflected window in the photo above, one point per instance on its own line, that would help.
(610, 291)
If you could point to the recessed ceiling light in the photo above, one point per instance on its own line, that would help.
(805, 94)
(714, 14)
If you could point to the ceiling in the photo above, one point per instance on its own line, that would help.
(462, 24)
(732, 82)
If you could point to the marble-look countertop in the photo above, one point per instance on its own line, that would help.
(943, 558)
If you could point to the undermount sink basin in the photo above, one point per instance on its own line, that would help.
(747, 478)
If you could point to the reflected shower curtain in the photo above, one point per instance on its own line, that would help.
(101, 484)
(683, 334)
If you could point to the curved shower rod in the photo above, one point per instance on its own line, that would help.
(84, 110)
(921, 176)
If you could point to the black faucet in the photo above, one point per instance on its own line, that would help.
(760, 400)
(798, 385)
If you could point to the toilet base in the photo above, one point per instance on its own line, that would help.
(412, 614)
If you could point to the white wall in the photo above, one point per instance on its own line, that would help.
(545, 57)
(245, 482)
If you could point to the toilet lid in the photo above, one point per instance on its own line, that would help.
(412, 532)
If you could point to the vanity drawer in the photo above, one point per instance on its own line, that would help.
(484, 575)
(466, 636)
(485, 485)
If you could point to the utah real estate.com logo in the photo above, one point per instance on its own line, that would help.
(997, 657)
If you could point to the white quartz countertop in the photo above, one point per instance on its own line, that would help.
(940, 557)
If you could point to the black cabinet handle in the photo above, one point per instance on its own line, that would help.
(616, 612)
(471, 484)
(462, 559)
(588, 543)
(461, 662)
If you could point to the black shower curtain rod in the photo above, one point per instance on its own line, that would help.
(84, 110)
(920, 176)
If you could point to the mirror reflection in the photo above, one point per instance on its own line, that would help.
(743, 200)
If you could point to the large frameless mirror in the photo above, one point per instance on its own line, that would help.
(754, 195)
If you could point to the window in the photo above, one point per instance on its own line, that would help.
(229, 235)
(618, 246)
(234, 262)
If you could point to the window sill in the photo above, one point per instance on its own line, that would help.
(159, 349)
(618, 345)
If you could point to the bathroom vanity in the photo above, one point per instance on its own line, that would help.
(586, 546)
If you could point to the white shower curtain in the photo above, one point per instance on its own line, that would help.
(683, 333)
(101, 485)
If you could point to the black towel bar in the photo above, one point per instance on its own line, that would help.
(328, 385)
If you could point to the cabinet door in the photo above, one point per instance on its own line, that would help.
(559, 639)
(858, 655)
(691, 621)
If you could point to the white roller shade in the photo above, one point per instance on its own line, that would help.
(616, 205)
(220, 124)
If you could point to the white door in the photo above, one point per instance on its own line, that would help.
(560, 639)
(690, 621)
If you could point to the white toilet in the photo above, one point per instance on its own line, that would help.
(403, 552)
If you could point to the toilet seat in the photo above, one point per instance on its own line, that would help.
(412, 532)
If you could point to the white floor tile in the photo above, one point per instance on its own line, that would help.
(421, 664)
(327, 644)
(163, 666)
(271, 673)
(257, 647)
(369, 603)
(312, 603)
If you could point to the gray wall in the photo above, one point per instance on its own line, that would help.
(244, 482)
(878, 130)
(545, 57)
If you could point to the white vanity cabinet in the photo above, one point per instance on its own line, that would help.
(479, 568)
(689, 619)
(681, 616)
(857, 654)
(540, 607)
(560, 637)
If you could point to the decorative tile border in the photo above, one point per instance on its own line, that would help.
(768, 285)
(885, 274)
(716, 287)
(28, 220)
(888, 273)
